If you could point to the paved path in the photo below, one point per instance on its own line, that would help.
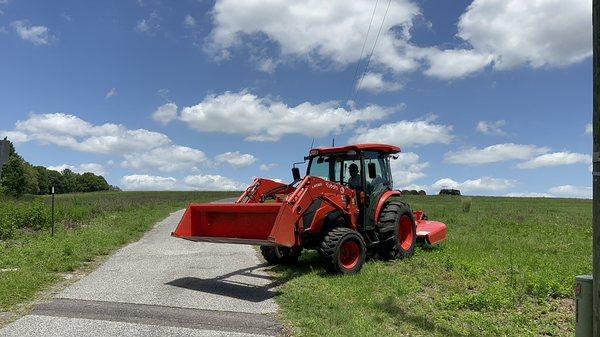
(162, 286)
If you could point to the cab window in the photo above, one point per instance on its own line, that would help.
(381, 163)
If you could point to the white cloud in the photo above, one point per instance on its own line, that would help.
(319, 30)
(491, 128)
(148, 25)
(535, 33)
(111, 93)
(570, 191)
(450, 64)
(14, 136)
(38, 35)
(165, 113)
(407, 168)
(144, 182)
(213, 182)
(189, 21)
(494, 154)
(264, 119)
(268, 167)
(94, 168)
(166, 159)
(556, 159)
(75, 133)
(529, 195)
(589, 129)
(484, 184)
(406, 133)
(374, 82)
(267, 65)
(236, 159)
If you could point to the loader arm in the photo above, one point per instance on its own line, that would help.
(288, 223)
(261, 189)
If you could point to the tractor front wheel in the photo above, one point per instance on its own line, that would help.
(397, 231)
(280, 255)
(343, 250)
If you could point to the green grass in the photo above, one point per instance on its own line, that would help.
(507, 269)
(88, 225)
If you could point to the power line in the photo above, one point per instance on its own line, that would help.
(374, 44)
(361, 52)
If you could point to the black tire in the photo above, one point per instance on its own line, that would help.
(280, 255)
(397, 231)
(343, 250)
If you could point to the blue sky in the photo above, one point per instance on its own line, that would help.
(491, 96)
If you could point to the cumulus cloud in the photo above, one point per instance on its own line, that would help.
(494, 154)
(535, 33)
(406, 133)
(451, 64)
(268, 167)
(374, 82)
(501, 34)
(38, 35)
(264, 119)
(140, 148)
(166, 159)
(318, 30)
(491, 128)
(589, 129)
(213, 182)
(570, 191)
(236, 159)
(144, 182)
(111, 93)
(148, 25)
(165, 113)
(484, 184)
(94, 168)
(556, 159)
(407, 168)
(529, 195)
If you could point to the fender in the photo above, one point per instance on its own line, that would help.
(384, 198)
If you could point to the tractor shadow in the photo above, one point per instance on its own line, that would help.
(246, 284)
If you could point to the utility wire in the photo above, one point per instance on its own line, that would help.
(351, 92)
(374, 44)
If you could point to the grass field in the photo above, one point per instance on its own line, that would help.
(88, 225)
(507, 269)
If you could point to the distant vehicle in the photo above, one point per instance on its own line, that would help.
(449, 191)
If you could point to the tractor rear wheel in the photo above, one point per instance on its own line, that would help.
(280, 255)
(397, 231)
(343, 250)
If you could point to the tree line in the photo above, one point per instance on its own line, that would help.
(19, 177)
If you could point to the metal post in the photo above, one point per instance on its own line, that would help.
(52, 210)
(596, 163)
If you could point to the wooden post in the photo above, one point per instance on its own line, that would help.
(596, 164)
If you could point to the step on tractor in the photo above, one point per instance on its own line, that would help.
(345, 208)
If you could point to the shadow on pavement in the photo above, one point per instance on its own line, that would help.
(224, 285)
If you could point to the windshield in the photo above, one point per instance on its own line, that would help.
(335, 167)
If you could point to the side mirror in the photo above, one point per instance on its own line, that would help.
(296, 173)
(372, 171)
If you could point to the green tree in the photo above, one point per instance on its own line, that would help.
(43, 180)
(31, 179)
(55, 179)
(89, 182)
(69, 179)
(13, 178)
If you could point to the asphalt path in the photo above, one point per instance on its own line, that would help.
(163, 286)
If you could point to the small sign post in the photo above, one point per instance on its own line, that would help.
(52, 210)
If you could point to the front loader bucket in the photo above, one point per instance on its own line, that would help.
(229, 223)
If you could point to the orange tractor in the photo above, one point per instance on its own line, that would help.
(335, 209)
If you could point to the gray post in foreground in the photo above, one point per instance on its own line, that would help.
(596, 168)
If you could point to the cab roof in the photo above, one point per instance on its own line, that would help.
(383, 148)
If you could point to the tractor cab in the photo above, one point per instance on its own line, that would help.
(363, 167)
